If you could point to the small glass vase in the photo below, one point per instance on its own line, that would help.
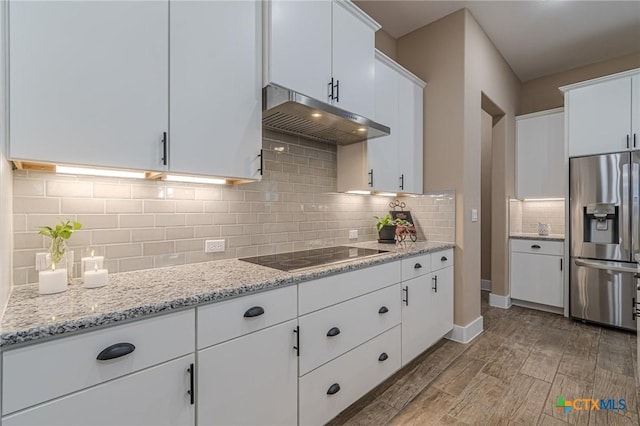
(62, 256)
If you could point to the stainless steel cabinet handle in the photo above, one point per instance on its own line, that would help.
(604, 267)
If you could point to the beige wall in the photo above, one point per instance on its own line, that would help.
(5, 185)
(386, 44)
(460, 65)
(485, 207)
(141, 224)
(542, 93)
(435, 53)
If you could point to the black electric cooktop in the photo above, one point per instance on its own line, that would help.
(309, 258)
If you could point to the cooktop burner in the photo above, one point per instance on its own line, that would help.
(309, 258)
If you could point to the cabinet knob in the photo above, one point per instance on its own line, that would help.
(254, 311)
(115, 351)
(535, 246)
(443, 259)
(333, 389)
(383, 357)
(383, 310)
(333, 332)
(417, 266)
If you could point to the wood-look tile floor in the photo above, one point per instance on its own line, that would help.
(512, 374)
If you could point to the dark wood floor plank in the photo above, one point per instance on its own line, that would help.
(569, 388)
(376, 413)
(484, 347)
(578, 364)
(458, 375)
(476, 405)
(542, 364)
(408, 387)
(505, 362)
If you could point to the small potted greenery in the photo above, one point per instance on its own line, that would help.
(386, 227)
(58, 246)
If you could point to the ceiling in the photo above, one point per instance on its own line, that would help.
(536, 38)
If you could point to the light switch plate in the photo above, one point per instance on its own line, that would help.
(353, 234)
(474, 215)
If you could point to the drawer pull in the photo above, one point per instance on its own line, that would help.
(435, 284)
(535, 246)
(115, 351)
(333, 332)
(443, 259)
(333, 389)
(191, 392)
(417, 266)
(383, 357)
(406, 295)
(255, 311)
(383, 310)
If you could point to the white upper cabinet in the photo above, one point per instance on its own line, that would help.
(215, 91)
(603, 115)
(540, 171)
(390, 163)
(323, 49)
(353, 59)
(298, 46)
(88, 82)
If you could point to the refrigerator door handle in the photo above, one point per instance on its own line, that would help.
(635, 206)
(603, 266)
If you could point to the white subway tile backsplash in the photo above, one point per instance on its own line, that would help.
(111, 190)
(36, 205)
(69, 189)
(76, 206)
(123, 206)
(149, 224)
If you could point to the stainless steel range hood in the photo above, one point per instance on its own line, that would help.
(290, 112)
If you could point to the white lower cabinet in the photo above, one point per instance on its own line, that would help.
(155, 396)
(427, 304)
(328, 390)
(250, 380)
(537, 272)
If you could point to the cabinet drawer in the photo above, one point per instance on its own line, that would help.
(356, 372)
(318, 294)
(441, 259)
(538, 247)
(66, 365)
(416, 266)
(226, 320)
(156, 396)
(352, 323)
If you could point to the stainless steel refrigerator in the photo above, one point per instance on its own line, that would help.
(604, 192)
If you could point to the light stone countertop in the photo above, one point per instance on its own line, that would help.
(129, 295)
(532, 236)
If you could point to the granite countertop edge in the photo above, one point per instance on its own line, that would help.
(22, 300)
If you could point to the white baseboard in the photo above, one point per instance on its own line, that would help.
(485, 285)
(537, 306)
(498, 301)
(467, 333)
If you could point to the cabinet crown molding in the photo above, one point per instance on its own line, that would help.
(402, 70)
(359, 13)
(570, 87)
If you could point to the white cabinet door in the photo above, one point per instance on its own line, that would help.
(441, 312)
(251, 380)
(409, 135)
(298, 46)
(537, 278)
(353, 61)
(416, 331)
(635, 111)
(599, 117)
(540, 156)
(382, 152)
(215, 95)
(155, 396)
(88, 82)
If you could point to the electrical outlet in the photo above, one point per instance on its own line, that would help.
(353, 234)
(213, 246)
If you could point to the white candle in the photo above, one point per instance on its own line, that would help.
(91, 263)
(52, 281)
(96, 278)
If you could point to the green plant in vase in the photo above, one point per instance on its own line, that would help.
(59, 235)
(386, 227)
